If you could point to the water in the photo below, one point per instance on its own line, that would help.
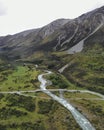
(80, 119)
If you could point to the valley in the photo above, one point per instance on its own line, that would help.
(17, 100)
(73, 50)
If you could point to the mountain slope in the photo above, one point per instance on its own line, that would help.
(23, 44)
(62, 34)
(75, 47)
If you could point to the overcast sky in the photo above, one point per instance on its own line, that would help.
(20, 15)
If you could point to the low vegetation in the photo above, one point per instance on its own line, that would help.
(58, 82)
(86, 69)
(92, 109)
(26, 113)
(18, 77)
(38, 111)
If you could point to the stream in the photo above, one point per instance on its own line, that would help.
(80, 119)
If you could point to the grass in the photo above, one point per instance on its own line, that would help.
(75, 95)
(58, 79)
(91, 109)
(56, 118)
(86, 69)
(21, 78)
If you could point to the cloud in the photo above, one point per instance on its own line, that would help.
(3, 9)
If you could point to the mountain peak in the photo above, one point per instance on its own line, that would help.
(53, 26)
(59, 35)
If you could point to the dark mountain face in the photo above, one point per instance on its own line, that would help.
(25, 43)
(72, 36)
(78, 31)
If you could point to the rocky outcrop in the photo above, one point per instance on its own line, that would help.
(67, 35)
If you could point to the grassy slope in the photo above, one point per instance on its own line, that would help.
(82, 66)
(18, 78)
(86, 103)
(15, 113)
(86, 69)
(22, 113)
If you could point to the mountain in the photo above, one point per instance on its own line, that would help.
(25, 43)
(62, 34)
(74, 47)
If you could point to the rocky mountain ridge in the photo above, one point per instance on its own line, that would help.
(60, 35)
(73, 49)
